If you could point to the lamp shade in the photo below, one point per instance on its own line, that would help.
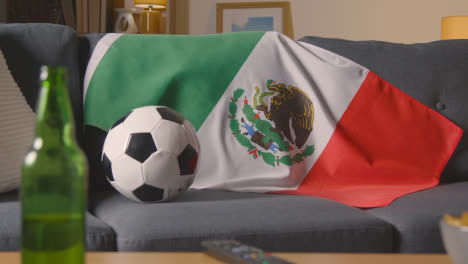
(155, 4)
(455, 27)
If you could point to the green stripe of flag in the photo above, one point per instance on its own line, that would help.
(186, 73)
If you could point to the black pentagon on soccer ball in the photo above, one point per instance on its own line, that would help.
(171, 115)
(188, 160)
(140, 146)
(148, 193)
(107, 168)
(121, 119)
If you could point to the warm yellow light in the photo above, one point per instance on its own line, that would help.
(154, 4)
(150, 18)
(454, 27)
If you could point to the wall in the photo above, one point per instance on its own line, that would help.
(404, 21)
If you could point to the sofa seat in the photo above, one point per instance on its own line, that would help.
(416, 216)
(271, 222)
(99, 236)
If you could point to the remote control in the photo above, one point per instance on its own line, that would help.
(232, 251)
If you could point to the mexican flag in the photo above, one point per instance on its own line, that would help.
(276, 115)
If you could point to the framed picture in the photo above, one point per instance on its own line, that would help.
(254, 16)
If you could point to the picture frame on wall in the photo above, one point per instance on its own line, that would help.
(254, 16)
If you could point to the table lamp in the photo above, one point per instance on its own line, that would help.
(455, 27)
(150, 18)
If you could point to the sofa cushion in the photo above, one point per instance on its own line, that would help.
(27, 47)
(433, 73)
(416, 216)
(99, 236)
(272, 222)
(18, 122)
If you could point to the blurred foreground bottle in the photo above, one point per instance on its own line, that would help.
(54, 180)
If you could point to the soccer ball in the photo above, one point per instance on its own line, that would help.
(151, 154)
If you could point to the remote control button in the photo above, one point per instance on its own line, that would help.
(243, 248)
(237, 249)
(257, 250)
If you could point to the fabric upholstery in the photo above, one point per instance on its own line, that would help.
(17, 121)
(99, 236)
(416, 216)
(27, 47)
(271, 222)
(10, 229)
(433, 73)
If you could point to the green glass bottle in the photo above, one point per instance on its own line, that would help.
(54, 180)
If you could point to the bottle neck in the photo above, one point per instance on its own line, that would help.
(54, 114)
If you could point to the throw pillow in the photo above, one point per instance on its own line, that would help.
(17, 122)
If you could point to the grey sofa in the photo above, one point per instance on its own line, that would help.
(434, 73)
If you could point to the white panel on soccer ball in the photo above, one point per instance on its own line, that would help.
(127, 172)
(192, 134)
(162, 170)
(170, 136)
(125, 192)
(142, 119)
(116, 142)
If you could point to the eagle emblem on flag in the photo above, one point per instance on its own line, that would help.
(273, 136)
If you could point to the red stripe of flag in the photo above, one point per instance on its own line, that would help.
(386, 145)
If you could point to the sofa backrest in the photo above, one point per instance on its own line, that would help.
(27, 47)
(434, 73)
